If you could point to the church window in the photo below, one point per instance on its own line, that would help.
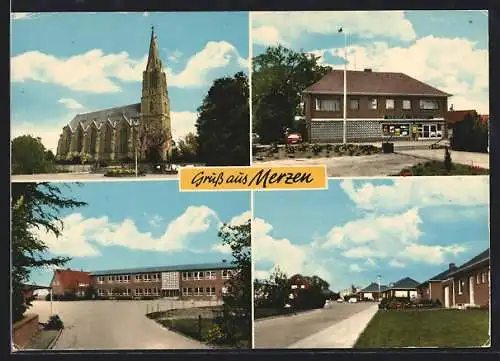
(79, 140)
(93, 140)
(124, 134)
(107, 139)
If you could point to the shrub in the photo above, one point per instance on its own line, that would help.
(289, 149)
(215, 335)
(54, 323)
(304, 147)
(316, 149)
(329, 147)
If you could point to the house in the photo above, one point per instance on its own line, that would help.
(469, 284)
(405, 287)
(68, 281)
(207, 281)
(379, 105)
(432, 289)
(374, 291)
(455, 116)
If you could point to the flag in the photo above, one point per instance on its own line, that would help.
(340, 30)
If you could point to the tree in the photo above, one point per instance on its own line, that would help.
(34, 206)
(187, 148)
(151, 141)
(279, 76)
(223, 123)
(29, 156)
(238, 299)
(90, 292)
(470, 134)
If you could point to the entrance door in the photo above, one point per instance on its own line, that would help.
(431, 131)
(471, 290)
(447, 296)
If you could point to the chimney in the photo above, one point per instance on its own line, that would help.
(368, 70)
(452, 266)
(451, 108)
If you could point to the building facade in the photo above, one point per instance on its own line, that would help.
(467, 285)
(404, 288)
(373, 292)
(194, 282)
(112, 134)
(68, 281)
(380, 106)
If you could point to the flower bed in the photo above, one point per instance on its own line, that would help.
(122, 172)
(316, 150)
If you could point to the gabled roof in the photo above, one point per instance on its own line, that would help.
(112, 115)
(184, 267)
(373, 83)
(441, 276)
(373, 287)
(480, 259)
(405, 283)
(69, 278)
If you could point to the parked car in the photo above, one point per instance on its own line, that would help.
(294, 138)
(352, 300)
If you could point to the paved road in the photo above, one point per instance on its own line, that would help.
(468, 158)
(287, 331)
(114, 325)
(84, 177)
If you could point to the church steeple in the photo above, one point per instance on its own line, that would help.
(154, 61)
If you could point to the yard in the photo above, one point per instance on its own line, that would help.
(426, 328)
(437, 168)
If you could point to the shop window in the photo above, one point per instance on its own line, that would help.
(396, 130)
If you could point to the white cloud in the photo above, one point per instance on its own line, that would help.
(96, 72)
(431, 254)
(22, 16)
(156, 220)
(419, 192)
(456, 66)
(241, 218)
(174, 57)
(70, 103)
(370, 262)
(285, 27)
(396, 264)
(183, 123)
(48, 132)
(222, 248)
(355, 268)
(81, 235)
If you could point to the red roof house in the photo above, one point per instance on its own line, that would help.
(68, 281)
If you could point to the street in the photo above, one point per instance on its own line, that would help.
(75, 177)
(94, 325)
(290, 331)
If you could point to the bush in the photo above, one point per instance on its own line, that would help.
(316, 149)
(54, 323)
(122, 172)
(215, 335)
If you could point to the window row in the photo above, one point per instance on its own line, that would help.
(128, 292)
(205, 275)
(198, 291)
(155, 277)
(333, 105)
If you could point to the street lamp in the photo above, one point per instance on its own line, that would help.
(136, 124)
(344, 136)
(378, 281)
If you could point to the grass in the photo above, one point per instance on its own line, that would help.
(426, 328)
(267, 312)
(435, 167)
(189, 326)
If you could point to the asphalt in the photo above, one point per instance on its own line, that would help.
(108, 325)
(75, 177)
(290, 331)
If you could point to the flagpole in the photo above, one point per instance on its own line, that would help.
(345, 90)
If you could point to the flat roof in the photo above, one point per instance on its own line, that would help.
(184, 267)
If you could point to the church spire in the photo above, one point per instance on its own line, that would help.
(154, 61)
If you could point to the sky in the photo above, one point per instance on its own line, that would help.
(447, 49)
(142, 223)
(63, 64)
(359, 229)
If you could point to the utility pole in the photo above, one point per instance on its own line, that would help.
(378, 281)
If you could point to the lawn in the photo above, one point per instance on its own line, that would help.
(426, 328)
(189, 326)
(267, 312)
(435, 167)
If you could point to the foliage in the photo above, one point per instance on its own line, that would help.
(215, 335)
(34, 207)
(223, 123)
(434, 167)
(186, 149)
(470, 134)
(29, 156)
(279, 76)
(54, 323)
(90, 292)
(151, 140)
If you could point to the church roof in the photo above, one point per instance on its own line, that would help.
(111, 115)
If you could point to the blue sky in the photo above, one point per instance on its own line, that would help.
(144, 223)
(447, 49)
(358, 229)
(69, 63)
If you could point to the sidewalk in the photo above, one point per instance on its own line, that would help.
(340, 335)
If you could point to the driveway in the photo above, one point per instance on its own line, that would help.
(308, 330)
(93, 325)
(83, 177)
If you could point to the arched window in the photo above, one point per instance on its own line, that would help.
(106, 138)
(92, 140)
(124, 134)
(79, 139)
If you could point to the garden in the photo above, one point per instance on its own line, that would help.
(316, 150)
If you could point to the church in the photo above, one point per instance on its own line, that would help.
(109, 135)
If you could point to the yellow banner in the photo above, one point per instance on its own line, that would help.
(248, 178)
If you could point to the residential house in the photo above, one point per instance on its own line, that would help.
(374, 291)
(469, 284)
(68, 281)
(379, 106)
(432, 289)
(405, 287)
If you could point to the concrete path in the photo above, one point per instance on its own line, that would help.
(468, 158)
(343, 334)
(93, 325)
(289, 331)
(75, 177)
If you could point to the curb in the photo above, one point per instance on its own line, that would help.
(287, 315)
(54, 341)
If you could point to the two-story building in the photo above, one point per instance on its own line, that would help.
(379, 106)
(68, 281)
(192, 281)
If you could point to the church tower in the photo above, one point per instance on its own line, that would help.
(155, 107)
